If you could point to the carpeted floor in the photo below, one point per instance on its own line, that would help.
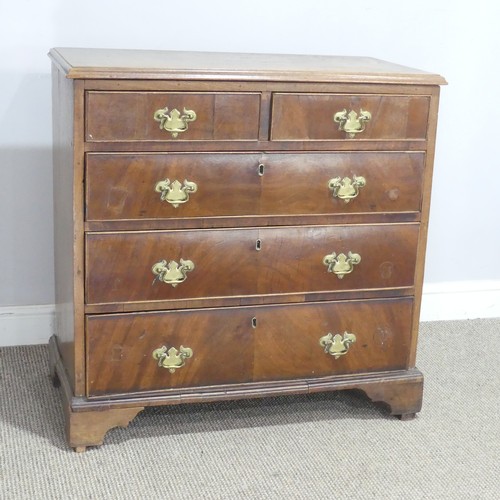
(323, 446)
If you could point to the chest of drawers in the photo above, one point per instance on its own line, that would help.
(232, 226)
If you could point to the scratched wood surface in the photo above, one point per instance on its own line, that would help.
(241, 345)
(121, 186)
(228, 262)
(263, 151)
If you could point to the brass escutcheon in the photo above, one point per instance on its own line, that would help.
(171, 272)
(174, 122)
(346, 189)
(172, 358)
(341, 264)
(174, 192)
(337, 345)
(350, 123)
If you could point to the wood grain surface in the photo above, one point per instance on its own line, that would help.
(310, 116)
(121, 186)
(262, 151)
(128, 116)
(119, 64)
(240, 345)
(227, 262)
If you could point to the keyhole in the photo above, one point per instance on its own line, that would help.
(254, 322)
(261, 169)
(258, 245)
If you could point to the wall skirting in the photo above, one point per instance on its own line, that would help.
(460, 300)
(25, 325)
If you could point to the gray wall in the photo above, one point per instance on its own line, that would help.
(459, 40)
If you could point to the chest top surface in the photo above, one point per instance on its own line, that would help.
(165, 65)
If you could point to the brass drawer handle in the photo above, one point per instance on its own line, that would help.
(174, 122)
(174, 192)
(337, 345)
(171, 272)
(346, 189)
(172, 358)
(341, 264)
(350, 123)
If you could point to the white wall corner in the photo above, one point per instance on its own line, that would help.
(26, 325)
(460, 300)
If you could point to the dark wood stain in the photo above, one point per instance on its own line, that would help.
(121, 186)
(228, 348)
(118, 267)
(259, 298)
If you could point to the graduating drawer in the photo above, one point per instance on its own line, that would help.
(171, 116)
(321, 339)
(173, 265)
(154, 351)
(123, 186)
(325, 117)
(120, 350)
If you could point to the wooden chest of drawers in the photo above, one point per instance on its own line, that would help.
(231, 226)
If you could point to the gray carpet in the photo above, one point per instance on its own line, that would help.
(323, 446)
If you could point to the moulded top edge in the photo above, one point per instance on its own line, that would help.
(79, 63)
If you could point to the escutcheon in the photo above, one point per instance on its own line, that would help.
(174, 122)
(346, 189)
(171, 272)
(337, 345)
(350, 122)
(341, 264)
(174, 192)
(172, 359)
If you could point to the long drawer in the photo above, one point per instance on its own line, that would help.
(313, 117)
(171, 116)
(153, 351)
(170, 265)
(124, 186)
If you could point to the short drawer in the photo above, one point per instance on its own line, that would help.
(173, 265)
(325, 117)
(167, 350)
(171, 116)
(123, 186)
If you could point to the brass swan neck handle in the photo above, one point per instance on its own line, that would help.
(337, 345)
(352, 123)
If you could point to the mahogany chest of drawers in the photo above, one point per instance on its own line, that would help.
(236, 225)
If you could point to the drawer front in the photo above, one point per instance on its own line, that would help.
(310, 117)
(247, 344)
(137, 267)
(124, 186)
(171, 116)
(120, 350)
(295, 341)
